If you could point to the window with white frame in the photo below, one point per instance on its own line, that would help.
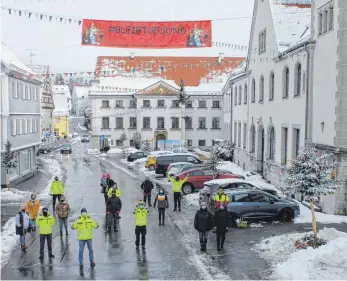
(215, 123)
(202, 104)
(119, 142)
(29, 126)
(31, 93)
(13, 127)
(105, 123)
(14, 90)
(296, 143)
(189, 104)
(119, 103)
(119, 123)
(161, 103)
(160, 123)
(262, 41)
(175, 104)
(175, 123)
(253, 90)
(133, 123)
(202, 142)
(26, 92)
(19, 127)
(35, 93)
(188, 122)
(252, 139)
(272, 86)
(320, 23)
(202, 122)
(272, 143)
(331, 18)
(286, 82)
(25, 126)
(235, 95)
(244, 135)
(245, 94)
(239, 135)
(146, 122)
(297, 79)
(215, 104)
(132, 103)
(261, 89)
(105, 104)
(240, 94)
(146, 103)
(284, 154)
(190, 142)
(325, 21)
(235, 133)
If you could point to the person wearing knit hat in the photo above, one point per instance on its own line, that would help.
(140, 213)
(203, 223)
(84, 226)
(45, 222)
(22, 225)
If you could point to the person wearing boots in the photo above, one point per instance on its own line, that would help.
(114, 205)
(22, 225)
(84, 226)
(177, 190)
(220, 222)
(105, 179)
(45, 222)
(32, 208)
(163, 203)
(57, 189)
(203, 223)
(62, 211)
(147, 187)
(140, 213)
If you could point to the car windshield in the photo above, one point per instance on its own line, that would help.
(85, 136)
(66, 145)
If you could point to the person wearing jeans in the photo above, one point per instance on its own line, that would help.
(221, 220)
(163, 203)
(22, 225)
(32, 208)
(177, 190)
(140, 213)
(203, 224)
(84, 226)
(45, 222)
(63, 210)
(57, 189)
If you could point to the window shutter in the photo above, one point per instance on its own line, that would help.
(24, 125)
(35, 94)
(23, 91)
(29, 126)
(14, 127)
(37, 125)
(19, 126)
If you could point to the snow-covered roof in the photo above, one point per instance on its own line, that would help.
(12, 61)
(292, 21)
(82, 91)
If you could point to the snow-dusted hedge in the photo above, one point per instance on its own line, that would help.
(224, 150)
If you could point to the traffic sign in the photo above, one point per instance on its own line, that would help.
(48, 135)
(102, 137)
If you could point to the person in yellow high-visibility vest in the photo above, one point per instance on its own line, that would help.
(84, 226)
(113, 186)
(57, 189)
(177, 190)
(45, 223)
(140, 213)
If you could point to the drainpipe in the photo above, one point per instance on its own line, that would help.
(232, 110)
(307, 93)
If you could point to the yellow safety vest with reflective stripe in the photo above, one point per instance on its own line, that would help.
(141, 216)
(84, 227)
(177, 185)
(221, 198)
(109, 192)
(57, 187)
(45, 224)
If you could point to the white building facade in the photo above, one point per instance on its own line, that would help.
(20, 116)
(61, 112)
(269, 91)
(155, 113)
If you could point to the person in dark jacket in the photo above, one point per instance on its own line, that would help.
(220, 222)
(114, 205)
(163, 203)
(105, 179)
(203, 223)
(22, 225)
(147, 187)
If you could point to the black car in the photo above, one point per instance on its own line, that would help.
(44, 148)
(137, 155)
(163, 161)
(66, 148)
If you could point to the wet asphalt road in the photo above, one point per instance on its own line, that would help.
(172, 250)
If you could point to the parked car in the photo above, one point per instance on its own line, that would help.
(151, 159)
(180, 150)
(74, 135)
(198, 176)
(163, 161)
(177, 168)
(85, 138)
(256, 204)
(66, 148)
(137, 155)
(44, 148)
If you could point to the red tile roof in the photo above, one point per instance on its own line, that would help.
(191, 69)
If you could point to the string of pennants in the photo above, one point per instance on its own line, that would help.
(78, 21)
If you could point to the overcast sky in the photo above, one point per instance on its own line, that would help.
(59, 46)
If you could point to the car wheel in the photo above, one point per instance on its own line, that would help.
(286, 215)
(232, 219)
(187, 188)
(151, 168)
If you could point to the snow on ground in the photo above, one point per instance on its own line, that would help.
(202, 153)
(192, 199)
(9, 239)
(131, 150)
(103, 154)
(114, 150)
(306, 217)
(256, 225)
(326, 262)
(93, 151)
